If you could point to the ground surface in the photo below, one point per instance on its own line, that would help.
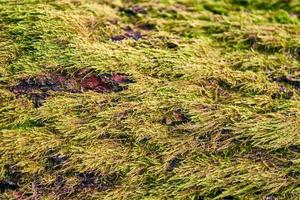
(169, 99)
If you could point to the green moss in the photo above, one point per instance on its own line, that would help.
(216, 8)
(212, 113)
(284, 17)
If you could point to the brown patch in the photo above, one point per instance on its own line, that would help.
(175, 118)
(121, 78)
(171, 45)
(43, 83)
(141, 171)
(57, 186)
(56, 161)
(37, 88)
(117, 38)
(292, 80)
(89, 180)
(62, 43)
(262, 156)
(282, 93)
(134, 10)
(173, 163)
(129, 33)
(147, 26)
(20, 196)
(95, 181)
(294, 148)
(289, 79)
(38, 98)
(253, 40)
(8, 185)
(124, 114)
(179, 116)
(138, 9)
(105, 82)
(12, 178)
(92, 82)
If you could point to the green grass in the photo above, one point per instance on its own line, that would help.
(231, 68)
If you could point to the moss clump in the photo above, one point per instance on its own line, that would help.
(169, 99)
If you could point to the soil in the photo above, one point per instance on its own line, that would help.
(39, 88)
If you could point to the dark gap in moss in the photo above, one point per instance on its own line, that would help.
(283, 93)
(88, 180)
(267, 49)
(173, 163)
(95, 181)
(286, 96)
(294, 148)
(146, 26)
(38, 98)
(12, 178)
(295, 52)
(117, 38)
(215, 192)
(293, 173)
(172, 45)
(240, 2)
(227, 86)
(270, 198)
(229, 198)
(8, 185)
(57, 186)
(203, 139)
(134, 10)
(129, 33)
(289, 79)
(54, 162)
(176, 117)
(199, 197)
(37, 88)
(262, 155)
(145, 140)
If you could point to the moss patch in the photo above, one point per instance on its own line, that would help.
(169, 99)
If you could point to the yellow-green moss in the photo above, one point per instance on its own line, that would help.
(213, 112)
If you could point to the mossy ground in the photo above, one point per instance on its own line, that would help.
(213, 112)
